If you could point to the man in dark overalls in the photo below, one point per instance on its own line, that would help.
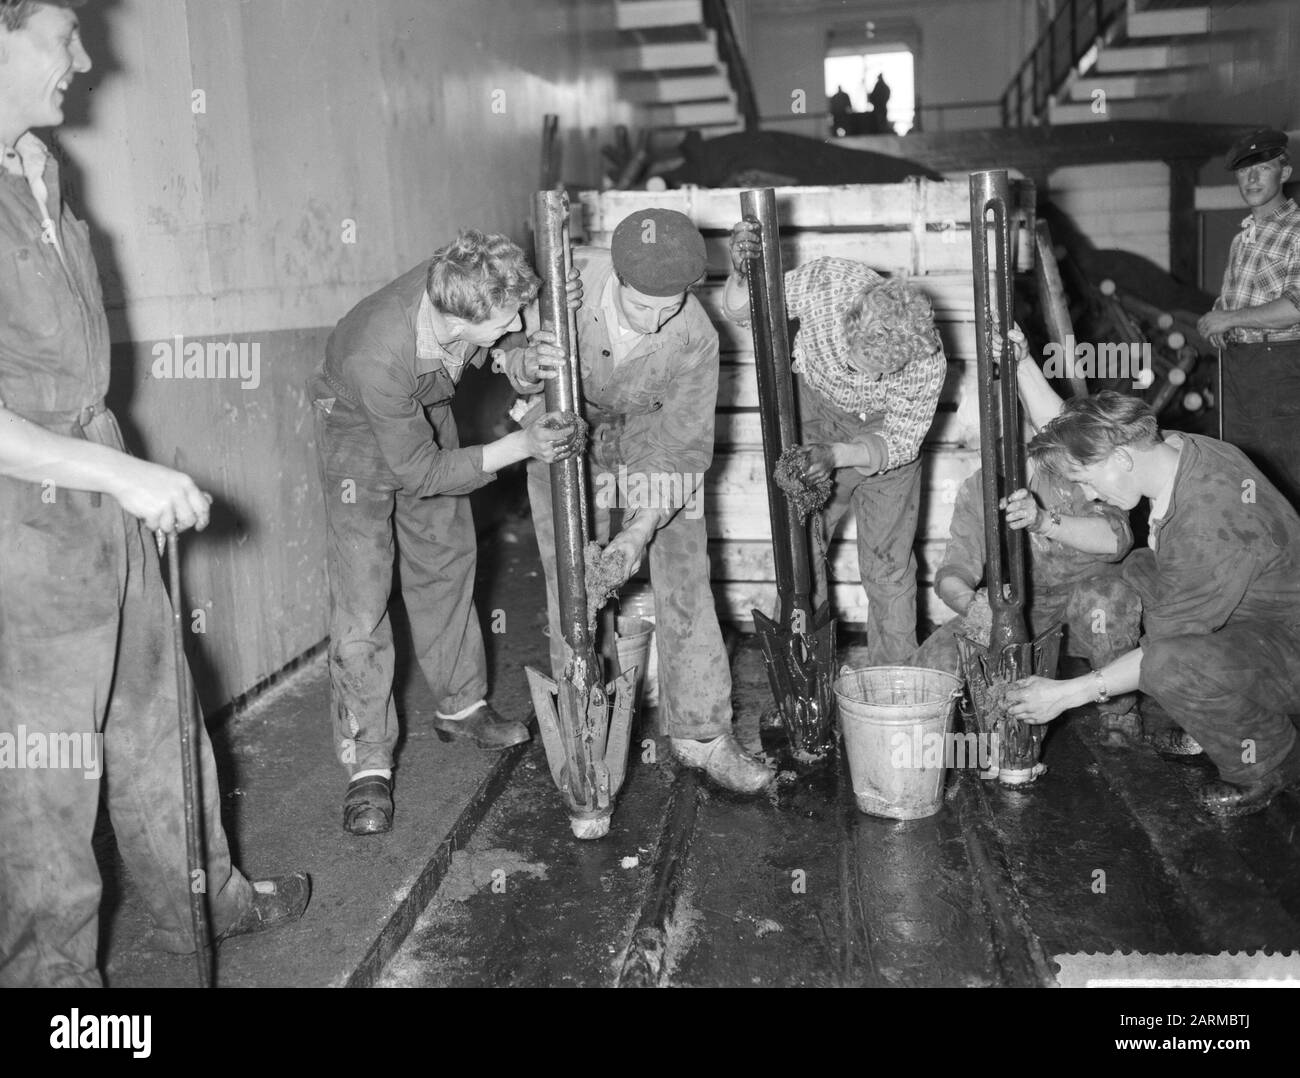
(1256, 319)
(1219, 588)
(649, 366)
(86, 653)
(396, 481)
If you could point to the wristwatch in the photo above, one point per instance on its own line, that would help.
(1053, 518)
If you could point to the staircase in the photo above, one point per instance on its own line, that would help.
(1111, 60)
(680, 62)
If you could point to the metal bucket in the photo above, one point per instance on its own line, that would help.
(638, 601)
(888, 714)
(632, 641)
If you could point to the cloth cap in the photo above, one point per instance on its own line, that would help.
(1261, 145)
(658, 252)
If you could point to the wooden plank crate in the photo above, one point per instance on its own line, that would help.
(920, 229)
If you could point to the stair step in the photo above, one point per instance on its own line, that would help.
(675, 90)
(1168, 22)
(652, 14)
(1132, 87)
(670, 56)
(1116, 60)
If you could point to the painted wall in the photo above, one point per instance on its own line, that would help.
(250, 171)
(1254, 73)
(968, 51)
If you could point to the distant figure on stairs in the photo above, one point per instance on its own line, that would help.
(841, 108)
(879, 98)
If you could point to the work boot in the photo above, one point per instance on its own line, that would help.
(368, 806)
(725, 762)
(1121, 731)
(1173, 741)
(484, 726)
(1227, 799)
(277, 901)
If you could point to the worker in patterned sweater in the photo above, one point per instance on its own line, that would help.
(870, 367)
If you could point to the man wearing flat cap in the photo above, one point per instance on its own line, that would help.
(648, 358)
(1256, 319)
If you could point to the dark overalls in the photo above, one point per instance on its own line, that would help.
(1221, 610)
(396, 483)
(85, 641)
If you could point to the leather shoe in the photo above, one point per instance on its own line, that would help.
(277, 901)
(1173, 741)
(484, 726)
(725, 762)
(1230, 800)
(368, 806)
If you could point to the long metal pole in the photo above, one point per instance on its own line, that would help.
(990, 193)
(568, 485)
(580, 693)
(197, 882)
(777, 409)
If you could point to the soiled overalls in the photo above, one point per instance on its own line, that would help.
(396, 481)
(85, 639)
(652, 415)
(1220, 590)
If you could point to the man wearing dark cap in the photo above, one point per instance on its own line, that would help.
(1256, 319)
(649, 366)
(87, 670)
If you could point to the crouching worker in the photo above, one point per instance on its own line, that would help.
(1072, 576)
(648, 358)
(396, 481)
(870, 368)
(1220, 592)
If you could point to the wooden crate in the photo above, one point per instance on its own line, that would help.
(919, 229)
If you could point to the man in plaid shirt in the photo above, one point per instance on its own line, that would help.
(870, 368)
(1256, 320)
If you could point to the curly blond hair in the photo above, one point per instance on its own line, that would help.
(478, 273)
(890, 325)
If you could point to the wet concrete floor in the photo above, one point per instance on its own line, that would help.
(799, 888)
(481, 882)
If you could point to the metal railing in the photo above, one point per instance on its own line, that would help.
(717, 17)
(1076, 28)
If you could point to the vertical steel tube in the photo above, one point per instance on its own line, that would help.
(990, 193)
(776, 401)
(568, 479)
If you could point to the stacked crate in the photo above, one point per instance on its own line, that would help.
(918, 228)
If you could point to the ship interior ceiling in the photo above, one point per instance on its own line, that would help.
(651, 493)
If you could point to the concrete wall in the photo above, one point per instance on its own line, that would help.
(250, 171)
(968, 51)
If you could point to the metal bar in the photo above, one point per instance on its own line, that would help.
(568, 487)
(777, 409)
(990, 193)
(196, 884)
(1051, 294)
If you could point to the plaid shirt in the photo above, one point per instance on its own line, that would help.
(1264, 265)
(818, 295)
